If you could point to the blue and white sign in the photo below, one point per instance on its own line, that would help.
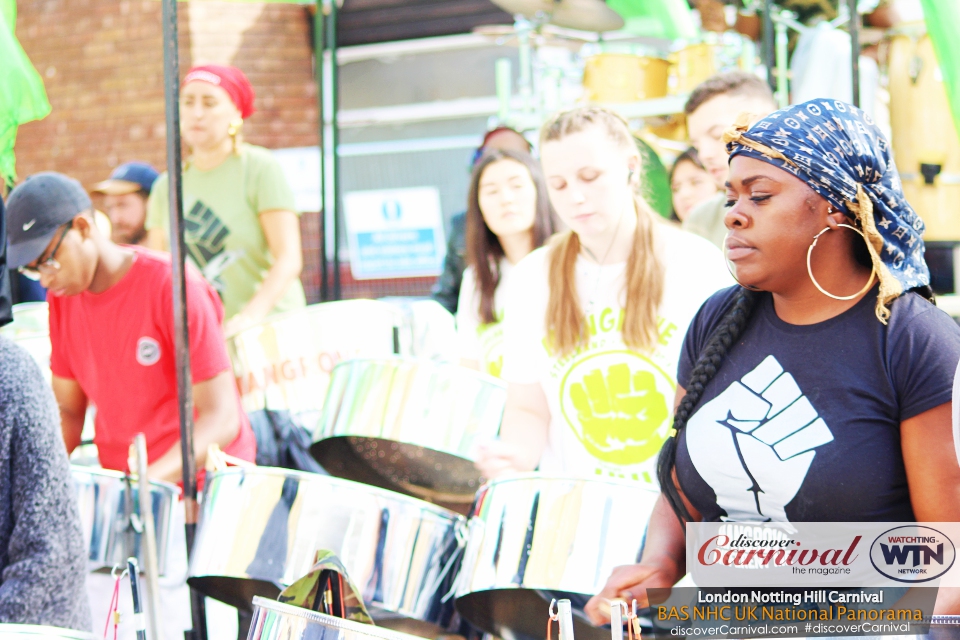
(395, 233)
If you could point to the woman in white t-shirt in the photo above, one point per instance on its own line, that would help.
(508, 216)
(594, 322)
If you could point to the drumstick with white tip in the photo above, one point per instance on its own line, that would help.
(616, 619)
(566, 619)
(152, 568)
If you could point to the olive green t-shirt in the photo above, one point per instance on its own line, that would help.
(221, 222)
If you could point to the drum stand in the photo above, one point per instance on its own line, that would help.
(529, 84)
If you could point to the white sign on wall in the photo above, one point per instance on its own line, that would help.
(394, 233)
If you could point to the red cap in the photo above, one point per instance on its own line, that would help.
(231, 80)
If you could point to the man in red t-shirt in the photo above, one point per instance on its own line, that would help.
(112, 334)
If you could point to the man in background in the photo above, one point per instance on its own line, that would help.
(125, 202)
(711, 108)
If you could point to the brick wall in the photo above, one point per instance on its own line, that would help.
(102, 63)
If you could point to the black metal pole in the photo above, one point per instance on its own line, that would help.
(334, 203)
(766, 44)
(171, 85)
(318, 49)
(855, 50)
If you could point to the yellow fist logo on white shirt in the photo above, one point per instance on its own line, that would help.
(617, 404)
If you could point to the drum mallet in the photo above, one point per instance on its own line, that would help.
(138, 621)
(152, 568)
(566, 619)
(617, 608)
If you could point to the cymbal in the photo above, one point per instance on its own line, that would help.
(586, 15)
(545, 36)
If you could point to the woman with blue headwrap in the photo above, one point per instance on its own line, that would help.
(818, 390)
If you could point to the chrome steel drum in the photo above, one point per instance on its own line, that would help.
(275, 621)
(260, 529)
(36, 631)
(31, 330)
(110, 516)
(409, 425)
(532, 538)
(285, 361)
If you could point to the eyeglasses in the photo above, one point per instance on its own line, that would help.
(49, 266)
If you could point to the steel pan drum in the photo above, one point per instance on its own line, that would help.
(36, 631)
(260, 529)
(276, 621)
(535, 537)
(109, 513)
(285, 361)
(409, 426)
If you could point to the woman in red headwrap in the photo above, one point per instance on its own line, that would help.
(240, 223)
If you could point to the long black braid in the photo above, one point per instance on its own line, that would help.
(729, 330)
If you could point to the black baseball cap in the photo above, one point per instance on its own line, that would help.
(39, 206)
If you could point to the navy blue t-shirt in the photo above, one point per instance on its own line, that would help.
(802, 422)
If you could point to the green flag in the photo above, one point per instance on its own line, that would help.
(943, 25)
(22, 97)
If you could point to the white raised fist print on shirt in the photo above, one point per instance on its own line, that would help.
(754, 443)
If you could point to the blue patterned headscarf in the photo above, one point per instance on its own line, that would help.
(839, 151)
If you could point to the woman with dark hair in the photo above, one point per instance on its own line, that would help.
(508, 216)
(819, 389)
(690, 184)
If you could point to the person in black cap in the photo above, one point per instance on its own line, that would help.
(42, 562)
(112, 341)
(126, 192)
(112, 304)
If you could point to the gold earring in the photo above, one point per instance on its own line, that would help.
(233, 131)
(866, 287)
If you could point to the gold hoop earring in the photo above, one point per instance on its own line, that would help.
(866, 287)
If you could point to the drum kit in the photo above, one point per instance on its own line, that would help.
(603, 63)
